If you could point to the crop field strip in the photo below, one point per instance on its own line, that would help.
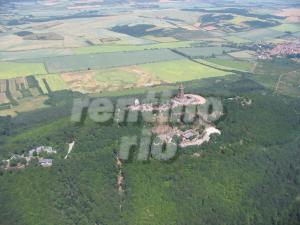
(107, 60)
(243, 66)
(11, 70)
(204, 51)
(129, 48)
(259, 34)
(33, 54)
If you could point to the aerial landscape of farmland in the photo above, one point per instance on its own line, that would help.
(70, 39)
(235, 64)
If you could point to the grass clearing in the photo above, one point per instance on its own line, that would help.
(181, 70)
(12, 70)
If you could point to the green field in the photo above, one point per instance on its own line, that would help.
(116, 77)
(259, 34)
(205, 51)
(232, 64)
(127, 48)
(245, 55)
(54, 81)
(287, 28)
(181, 70)
(34, 54)
(237, 40)
(107, 60)
(11, 70)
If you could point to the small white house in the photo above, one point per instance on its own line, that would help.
(46, 162)
(38, 150)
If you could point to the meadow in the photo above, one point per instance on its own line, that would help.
(181, 70)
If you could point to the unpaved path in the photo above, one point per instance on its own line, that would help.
(71, 146)
(278, 83)
(120, 181)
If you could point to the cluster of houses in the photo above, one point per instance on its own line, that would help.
(43, 149)
(24, 160)
(281, 50)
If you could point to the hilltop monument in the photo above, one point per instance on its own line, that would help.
(186, 99)
(180, 94)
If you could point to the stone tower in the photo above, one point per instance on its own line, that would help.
(180, 92)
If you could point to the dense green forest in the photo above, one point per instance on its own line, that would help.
(248, 175)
